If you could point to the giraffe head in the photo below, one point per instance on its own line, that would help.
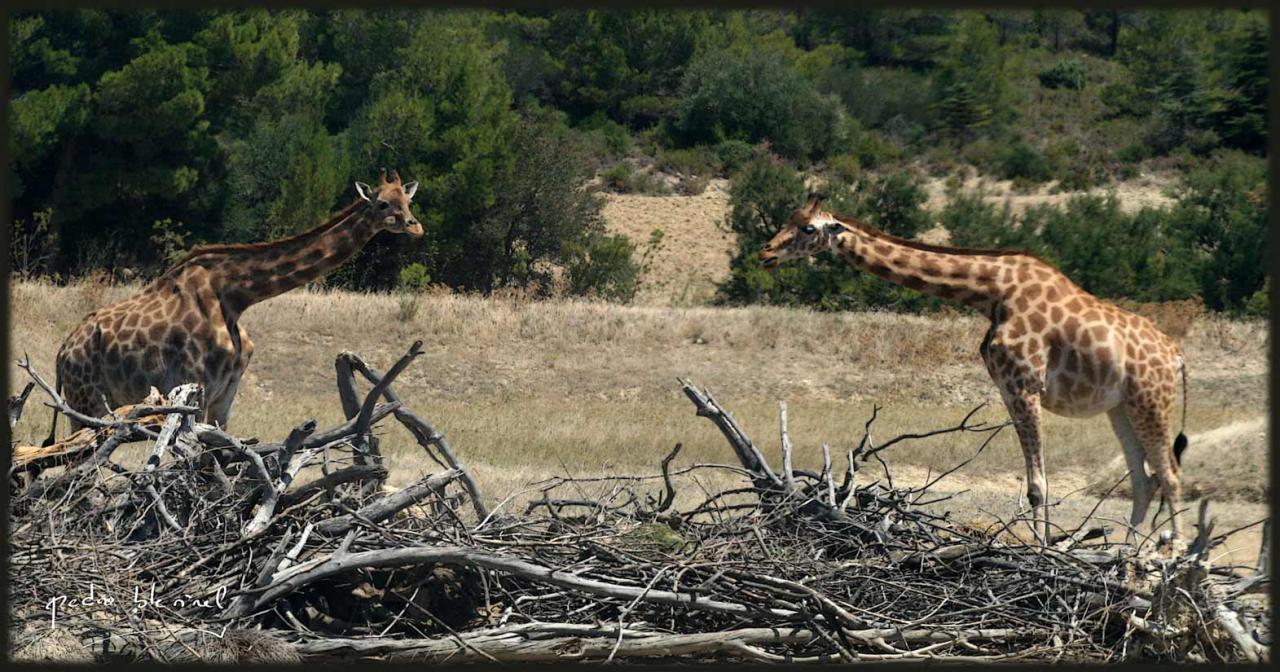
(807, 232)
(389, 204)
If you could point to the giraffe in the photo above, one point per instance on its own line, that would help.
(1051, 345)
(185, 325)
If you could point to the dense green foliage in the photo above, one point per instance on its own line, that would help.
(1211, 243)
(135, 134)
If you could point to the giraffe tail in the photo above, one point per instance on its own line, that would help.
(1180, 443)
(57, 387)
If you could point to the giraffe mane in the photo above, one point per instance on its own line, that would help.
(202, 250)
(929, 247)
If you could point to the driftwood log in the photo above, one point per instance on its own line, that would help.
(237, 550)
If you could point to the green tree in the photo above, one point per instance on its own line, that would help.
(443, 117)
(1221, 215)
(972, 82)
(542, 218)
(627, 63)
(756, 97)
(1242, 118)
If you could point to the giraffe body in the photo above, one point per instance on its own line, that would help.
(1051, 345)
(185, 325)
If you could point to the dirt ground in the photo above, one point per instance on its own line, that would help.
(696, 246)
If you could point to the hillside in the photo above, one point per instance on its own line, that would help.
(693, 256)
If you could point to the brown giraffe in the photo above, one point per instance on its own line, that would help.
(185, 325)
(1051, 344)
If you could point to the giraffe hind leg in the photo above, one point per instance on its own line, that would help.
(1151, 427)
(1140, 483)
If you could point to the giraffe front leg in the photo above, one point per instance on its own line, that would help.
(1024, 411)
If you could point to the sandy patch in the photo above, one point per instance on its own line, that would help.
(693, 256)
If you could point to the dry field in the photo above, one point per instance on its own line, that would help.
(525, 391)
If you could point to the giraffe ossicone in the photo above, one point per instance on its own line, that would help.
(185, 325)
(1051, 345)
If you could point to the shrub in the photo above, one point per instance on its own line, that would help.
(618, 178)
(1022, 161)
(692, 185)
(752, 98)
(602, 266)
(873, 151)
(624, 179)
(1133, 153)
(1259, 304)
(985, 154)
(844, 168)
(894, 203)
(689, 162)
(610, 136)
(413, 281)
(733, 155)
(414, 277)
(1065, 74)
(973, 222)
(1221, 216)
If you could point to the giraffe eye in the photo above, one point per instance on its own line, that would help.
(808, 228)
(382, 205)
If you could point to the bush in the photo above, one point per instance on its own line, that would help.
(1259, 304)
(753, 98)
(844, 168)
(872, 151)
(733, 155)
(693, 185)
(624, 179)
(618, 178)
(1133, 153)
(610, 136)
(690, 162)
(1022, 161)
(414, 277)
(974, 222)
(894, 203)
(602, 266)
(986, 154)
(1065, 74)
(413, 281)
(1221, 216)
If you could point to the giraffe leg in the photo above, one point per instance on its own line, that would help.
(1024, 411)
(1151, 426)
(1138, 479)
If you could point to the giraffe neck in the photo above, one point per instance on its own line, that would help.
(975, 278)
(242, 275)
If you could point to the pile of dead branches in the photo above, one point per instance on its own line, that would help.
(225, 548)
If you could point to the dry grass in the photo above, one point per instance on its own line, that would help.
(527, 390)
(694, 254)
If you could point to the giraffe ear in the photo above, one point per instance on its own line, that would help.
(365, 191)
(811, 204)
(410, 189)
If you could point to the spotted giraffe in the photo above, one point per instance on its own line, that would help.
(185, 325)
(1051, 345)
